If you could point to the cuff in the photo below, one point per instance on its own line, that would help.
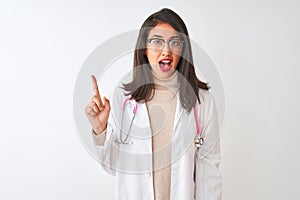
(99, 139)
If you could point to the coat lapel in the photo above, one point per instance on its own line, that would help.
(178, 112)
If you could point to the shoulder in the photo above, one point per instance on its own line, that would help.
(119, 89)
(119, 93)
(205, 96)
(207, 103)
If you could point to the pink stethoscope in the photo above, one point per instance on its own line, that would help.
(198, 138)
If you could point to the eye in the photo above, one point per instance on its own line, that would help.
(156, 41)
(175, 43)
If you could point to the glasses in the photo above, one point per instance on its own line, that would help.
(159, 44)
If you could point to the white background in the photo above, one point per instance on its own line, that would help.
(255, 46)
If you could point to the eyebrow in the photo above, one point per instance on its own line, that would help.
(159, 36)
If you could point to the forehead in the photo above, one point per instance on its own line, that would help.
(164, 30)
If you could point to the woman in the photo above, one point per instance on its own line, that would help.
(145, 137)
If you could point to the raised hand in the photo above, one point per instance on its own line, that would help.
(97, 111)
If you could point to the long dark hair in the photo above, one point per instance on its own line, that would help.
(141, 87)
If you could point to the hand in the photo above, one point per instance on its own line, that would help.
(97, 111)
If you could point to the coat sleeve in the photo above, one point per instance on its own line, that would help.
(208, 180)
(107, 148)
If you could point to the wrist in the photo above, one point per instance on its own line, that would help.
(99, 131)
(96, 132)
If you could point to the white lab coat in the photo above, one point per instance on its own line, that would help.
(194, 172)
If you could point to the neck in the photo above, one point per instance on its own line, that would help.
(170, 83)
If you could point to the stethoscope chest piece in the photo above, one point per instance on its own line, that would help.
(198, 141)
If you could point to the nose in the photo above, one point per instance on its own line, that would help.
(166, 49)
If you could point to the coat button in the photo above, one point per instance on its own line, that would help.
(149, 175)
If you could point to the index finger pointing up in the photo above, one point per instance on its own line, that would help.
(95, 86)
(96, 90)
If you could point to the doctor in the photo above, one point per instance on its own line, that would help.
(145, 135)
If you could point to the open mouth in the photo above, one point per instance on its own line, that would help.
(165, 65)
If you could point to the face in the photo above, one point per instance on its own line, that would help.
(163, 50)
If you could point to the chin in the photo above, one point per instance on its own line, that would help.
(164, 75)
(161, 73)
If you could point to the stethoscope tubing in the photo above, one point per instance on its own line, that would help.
(129, 129)
(199, 140)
